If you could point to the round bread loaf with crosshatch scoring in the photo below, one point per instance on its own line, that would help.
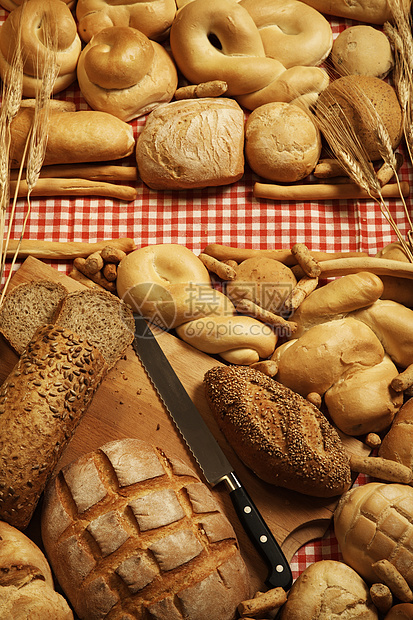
(375, 522)
(133, 533)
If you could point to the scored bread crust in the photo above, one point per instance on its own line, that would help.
(133, 533)
(41, 403)
(281, 436)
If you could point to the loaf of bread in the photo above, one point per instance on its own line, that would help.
(41, 403)
(75, 137)
(329, 589)
(131, 532)
(362, 50)
(186, 144)
(397, 444)
(278, 434)
(369, 11)
(27, 307)
(26, 582)
(374, 522)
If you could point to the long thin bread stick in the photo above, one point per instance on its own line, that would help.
(379, 266)
(324, 191)
(65, 250)
(75, 187)
(93, 172)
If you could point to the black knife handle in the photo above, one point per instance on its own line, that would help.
(260, 535)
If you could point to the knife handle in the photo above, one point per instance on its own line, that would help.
(260, 535)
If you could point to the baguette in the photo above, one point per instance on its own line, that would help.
(74, 137)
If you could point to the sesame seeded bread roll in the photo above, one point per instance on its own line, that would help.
(281, 436)
(41, 403)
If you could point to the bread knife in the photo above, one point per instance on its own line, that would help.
(208, 454)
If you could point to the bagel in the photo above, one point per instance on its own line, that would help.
(152, 17)
(240, 340)
(168, 285)
(122, 72)
(292, 32)
(35, 49)
(218, 40)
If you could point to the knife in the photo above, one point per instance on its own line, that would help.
(203, 445)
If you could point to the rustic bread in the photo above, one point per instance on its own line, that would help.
(281, 436)
(101, 318)
(397, 444)
(26, 582)
(132, 532)
(41, 403)
(27, 307)
(329, 590)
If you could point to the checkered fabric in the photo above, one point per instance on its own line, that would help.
(227, 215)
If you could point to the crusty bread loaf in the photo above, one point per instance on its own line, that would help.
(328, 590)
(186, 144)
(27, 307)
(281, 436)
(373, 522)
(132, 532)
(75, 137)
(41, 403)
(397, 444)
(26, 582)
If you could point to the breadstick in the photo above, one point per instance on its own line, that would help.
(386, 172)
(93, 263)
(303, 288)
(381, 468)
(65, 250)
(315, 399)
(74, 187)
(321, 191)
(379, 266)
(77, 275)
(112, 254)
(306, 261)
(392, 578)
(381, 597)
(79, 263)
(214, 88)
(264, 602)
(110, 272)
(373, 440)
(221, 269)
(227, 252)
(92, 172)
(268, 367)
(404, 380)
(245, 306)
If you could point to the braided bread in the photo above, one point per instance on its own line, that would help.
(122, 72)
(238, 57)
(152, 17)
(34, 45)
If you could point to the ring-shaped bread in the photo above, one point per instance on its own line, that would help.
(122, 72)
(291, 31)
(35, 46)
(152, 17)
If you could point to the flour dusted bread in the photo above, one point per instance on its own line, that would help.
(26, 582)
(132, 532)
(281, 436)
(187, 144)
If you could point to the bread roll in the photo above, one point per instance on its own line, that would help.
(282, 143)
(397, 444)
(401, 611)
(362, 50)
(152, 18)
(369, 11)
(328, 590)
(40, 20)
(281, 436)
(352, 93)
(374, 522)
(41, 403)
(122, 72)
(132, 532)
(26, 582)
(186, 144)
(75, 137)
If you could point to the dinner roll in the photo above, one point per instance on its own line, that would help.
(362, 50)
(122, 72)
(36, 50)
(329, 590)
(153, 18)
(193, 143)
(168, 284)
(282, 143)
(352, 93)
(401, 611)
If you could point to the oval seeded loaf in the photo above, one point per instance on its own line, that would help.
(277, 433)
(132, 533)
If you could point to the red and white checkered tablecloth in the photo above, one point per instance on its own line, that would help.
(226, 215)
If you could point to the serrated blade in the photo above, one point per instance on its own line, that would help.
(182, 410)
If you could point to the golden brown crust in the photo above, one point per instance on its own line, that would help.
(282, 437)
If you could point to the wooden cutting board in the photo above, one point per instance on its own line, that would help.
(126, 405)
